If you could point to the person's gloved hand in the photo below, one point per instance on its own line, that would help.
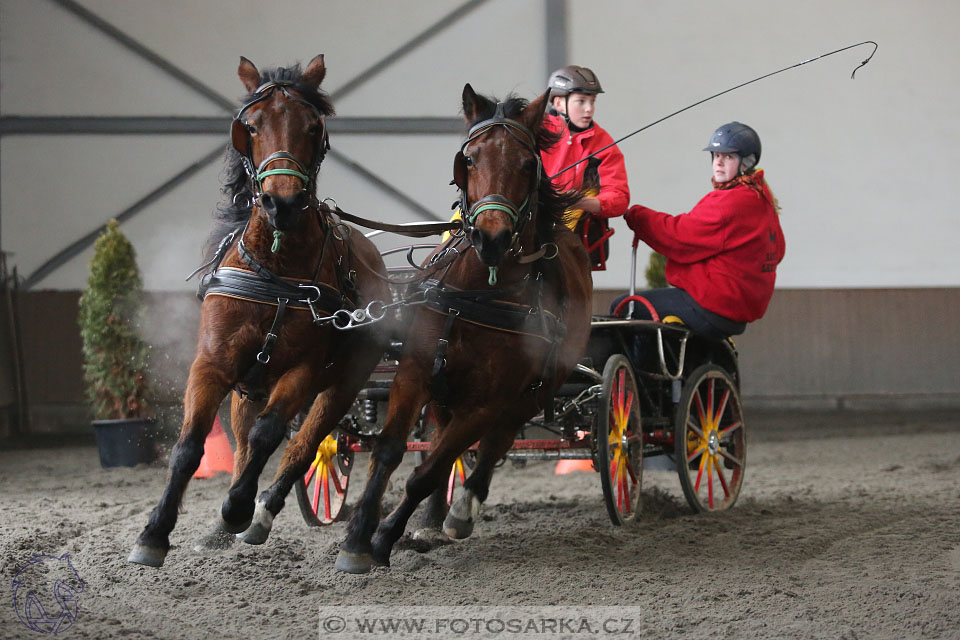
(634, 216)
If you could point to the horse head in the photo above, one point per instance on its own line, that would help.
(498, 171)
(281, 134)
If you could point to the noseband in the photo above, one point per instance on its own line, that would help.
(498, 202)
(239, 135)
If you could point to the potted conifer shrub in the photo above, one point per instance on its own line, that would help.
(656, 279)
(114, 355)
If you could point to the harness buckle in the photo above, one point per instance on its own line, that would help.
(310, 301)
(264, 356)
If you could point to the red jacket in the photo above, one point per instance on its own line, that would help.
(724, 252)
(614, 193)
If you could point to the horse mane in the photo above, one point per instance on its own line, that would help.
(236, 203)
(553, 204)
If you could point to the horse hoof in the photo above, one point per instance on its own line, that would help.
(463, 513)
(234, 528)
(148, 556)
(350, 562)
(255, 534)
(456, 528)
(259, 530)
(216, 540)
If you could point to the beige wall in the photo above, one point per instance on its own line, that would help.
(815, 349)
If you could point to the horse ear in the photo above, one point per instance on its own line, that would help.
(533, 114)
(315, 72)
(249, 75)
(469, 103)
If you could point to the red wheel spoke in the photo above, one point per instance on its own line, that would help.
(733, 427)
(626, 409)
(703, 419)
(326, 494)
(695, 428)
(631, 471)
(696, 453)
(703, 461)
(336, 481)
(731, 458)
(314, 504)
(710, 414)
(722, 407)
(309, 474)
(710, 481)
(723, 480)
(620, 389)
(629, 503)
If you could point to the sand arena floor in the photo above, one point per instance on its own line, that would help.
(847, 527)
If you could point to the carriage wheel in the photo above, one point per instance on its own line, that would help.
(620, 441)
(461, 467)
(710, 436)
(322, 492)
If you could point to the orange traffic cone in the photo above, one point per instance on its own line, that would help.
(217, 454)
(569, 466)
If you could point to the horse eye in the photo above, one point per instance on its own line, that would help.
(313, 130)
(252, 129)
(529, 165)
(467, 160)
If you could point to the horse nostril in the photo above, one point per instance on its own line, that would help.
(267, 202)
(476, 237)
(301, 200)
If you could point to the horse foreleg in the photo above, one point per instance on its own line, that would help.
(286, 398)
(463, 513)
(242, 414)
(432, 474)
(435, 507)
(356, 551)
(206, 388)
(324, 415)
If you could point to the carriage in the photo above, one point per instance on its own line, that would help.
(645, 388)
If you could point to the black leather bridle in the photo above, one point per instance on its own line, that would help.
(519, 215)
(240, 137)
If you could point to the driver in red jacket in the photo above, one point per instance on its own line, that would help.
(603, 178)
(722, 256)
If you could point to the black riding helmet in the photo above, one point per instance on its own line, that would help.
(737, 138)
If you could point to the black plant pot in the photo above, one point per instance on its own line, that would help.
(125, 442)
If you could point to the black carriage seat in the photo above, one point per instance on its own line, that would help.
(674, 320)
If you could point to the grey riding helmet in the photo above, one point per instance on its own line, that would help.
(737, 138)
(573, 79)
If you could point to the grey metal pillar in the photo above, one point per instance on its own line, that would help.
(557, 50)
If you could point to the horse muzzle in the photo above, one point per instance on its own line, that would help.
(490, 248)
(283, 212)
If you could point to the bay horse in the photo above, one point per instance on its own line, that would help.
(284, 269)
(499, 329)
